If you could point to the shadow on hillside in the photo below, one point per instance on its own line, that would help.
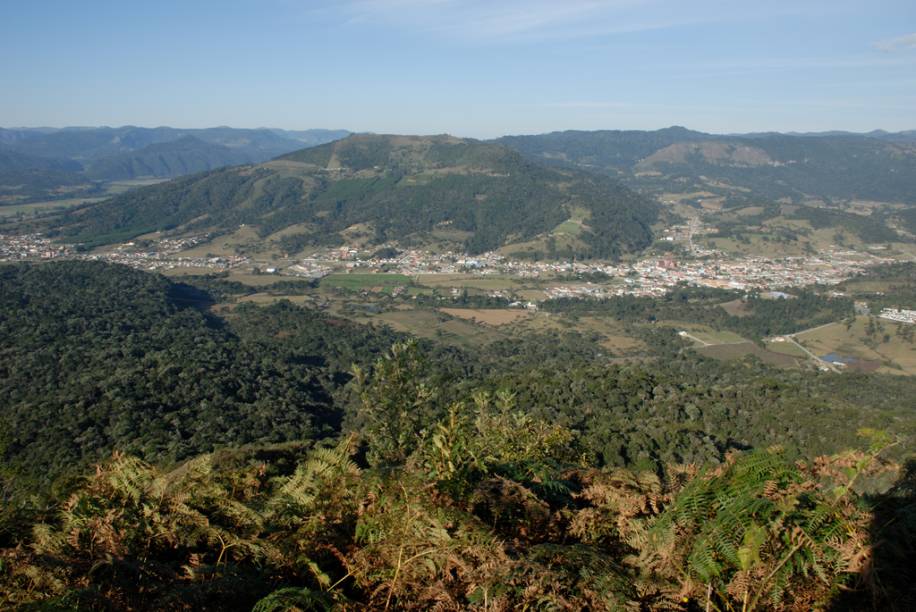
(189, 296)
(890, 582)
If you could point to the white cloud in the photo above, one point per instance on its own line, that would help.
(907, 41)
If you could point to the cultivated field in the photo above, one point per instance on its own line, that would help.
(488, 316)
(896, 355)
(740, 350)
(435, 325)
(485, 283)
(368, 282)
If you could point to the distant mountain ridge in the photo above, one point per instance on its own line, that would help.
(187, 155)
(877, 166)
(477, 195)
(92, 143)
(104, 151)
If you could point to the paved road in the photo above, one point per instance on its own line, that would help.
(805, 331)
(692, 337)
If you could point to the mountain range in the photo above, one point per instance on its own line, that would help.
(741, 168)
(567, 193)
(81, 155)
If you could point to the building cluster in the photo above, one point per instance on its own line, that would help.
(649, 276)
(899, 315)
(165, 255)
(31, 246)
(155, 261)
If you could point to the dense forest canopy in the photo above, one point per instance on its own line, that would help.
(97, 357)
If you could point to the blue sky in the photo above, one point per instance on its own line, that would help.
(477, 68)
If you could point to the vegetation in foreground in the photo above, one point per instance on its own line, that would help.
(481, 507)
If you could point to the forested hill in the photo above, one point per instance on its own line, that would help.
(95, 357)
(20, 172)
(834, 165)
(477, 195)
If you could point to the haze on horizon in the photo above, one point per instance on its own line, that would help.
(466, 67)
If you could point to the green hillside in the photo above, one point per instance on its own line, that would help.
(401, 188)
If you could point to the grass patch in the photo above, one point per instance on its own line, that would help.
(730, 352)
(488, 316)
(786, 348)
(461, 281)
(718, 337)
(369, 282)
(434, 325)
(897, 356)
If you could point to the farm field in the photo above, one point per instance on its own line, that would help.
(730, 352)
(714, 337)
(736, 308)
(787, 348)
(431, 324)
(897, 356)
(266, 298)
(616, 335)
(485, 283)
(728, 345)
(488, 316)
(370, 282)
(120, 186)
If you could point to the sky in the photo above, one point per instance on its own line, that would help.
(477, 68)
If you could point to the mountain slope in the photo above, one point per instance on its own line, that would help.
(25, 176)
(187, 155)
(606, 150)
(482, 195)
(770, 165)
(13, 161)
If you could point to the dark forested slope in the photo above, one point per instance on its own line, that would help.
(95, 357)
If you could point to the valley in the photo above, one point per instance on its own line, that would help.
(336, 249)
(418, 305)
(381, 304)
